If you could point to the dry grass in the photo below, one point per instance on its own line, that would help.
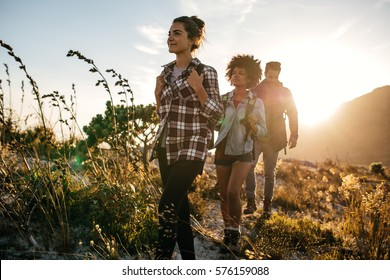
(57, 202)
(325, 210)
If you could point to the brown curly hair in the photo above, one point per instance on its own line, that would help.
(250, 64)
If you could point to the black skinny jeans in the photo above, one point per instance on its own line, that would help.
(174, 208)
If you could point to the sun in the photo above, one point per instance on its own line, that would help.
(321, 76)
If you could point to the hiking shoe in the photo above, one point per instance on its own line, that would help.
(234, 244)
(226, 240)
(227, 236)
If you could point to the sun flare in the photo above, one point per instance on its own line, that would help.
(320, 76)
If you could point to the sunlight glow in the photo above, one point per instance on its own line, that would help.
(321, 76)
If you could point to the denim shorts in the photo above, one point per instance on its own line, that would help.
(228, 160)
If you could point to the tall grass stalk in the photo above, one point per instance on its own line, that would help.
(34, 85)
(46, 198)
(102, 81)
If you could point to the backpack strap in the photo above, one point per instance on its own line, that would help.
(199, 68)
(225, 98)
(250, 107)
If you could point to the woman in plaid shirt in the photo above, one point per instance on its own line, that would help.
(188, 103)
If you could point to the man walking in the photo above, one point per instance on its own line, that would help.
(278, 102)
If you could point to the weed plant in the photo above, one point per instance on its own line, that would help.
(329, 214)
(54, 193)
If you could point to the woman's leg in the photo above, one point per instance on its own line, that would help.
(233, 208)
(237, 177)
(185, 238)
(174, 210)
(223, 175)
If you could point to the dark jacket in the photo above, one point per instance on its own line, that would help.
(278, 102)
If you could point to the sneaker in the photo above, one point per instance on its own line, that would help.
(226, 240)
(234, 244)
(227, 236)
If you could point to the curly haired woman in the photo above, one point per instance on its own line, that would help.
(243, 121)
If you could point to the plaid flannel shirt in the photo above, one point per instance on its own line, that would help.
(186, 120)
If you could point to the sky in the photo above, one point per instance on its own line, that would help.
(331, 51)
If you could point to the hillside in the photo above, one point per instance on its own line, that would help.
(358, 132)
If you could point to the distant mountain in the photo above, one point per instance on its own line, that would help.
(358, 133)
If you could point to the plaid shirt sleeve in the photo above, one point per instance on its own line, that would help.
(185, 119)
(213, 108)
